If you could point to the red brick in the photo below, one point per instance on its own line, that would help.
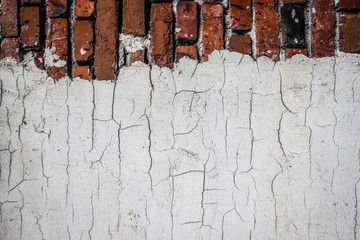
(83, 40)
(57, 8)
(240, 44)
(39, 59)
(31, 1)
(84, 8)
(240, 15)
(322, 28)
(212, 20)
(267, 29)
(106, 36)
(30, 26)
(10, 48)
(290, 52)
(349, 4)
(8, 18)
(294, 1)
(57, 42)
(134, 17)
(57, 72)
(189, 51)
(161, 41)
(212, 1)
(349, 28)
(82, 72)
(186, 21)
(134, 57)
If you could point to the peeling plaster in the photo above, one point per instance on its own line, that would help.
(217, 150)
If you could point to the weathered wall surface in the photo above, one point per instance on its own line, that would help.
(228, 149)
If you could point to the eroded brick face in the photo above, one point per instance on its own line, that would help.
(322, 28)
(240, 15)
(58, 45)
(161, 30)
(240, 44)
(134, 17)
(10, 48)
(57, 8)
(267, 29)
(134, 57)
(30, 26)
(188, 51)
(294, 1)
(349, 29)
(8, 18)
(84, 8)
(186, 21)
(106, 36)
(349, 4)
(290, 52)
(82, 72)
(213, 31)
(83, 40)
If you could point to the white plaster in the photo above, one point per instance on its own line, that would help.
(228, 149)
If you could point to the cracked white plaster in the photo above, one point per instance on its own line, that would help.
(217, 150)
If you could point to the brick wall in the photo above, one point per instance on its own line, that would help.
(87, 38)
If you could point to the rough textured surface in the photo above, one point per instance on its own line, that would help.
(290, 52)
(10, 49)
(106, 36)
(189, 51)
(84, 8)
(186, 21)
(322, 28)
(240, 15)
(293, 26)
(83, 40)
(8, 18)
(349, 4)
(240, 44)
(294, 1)
(349, 28)
(82, 72)
(134, 17)
(267, 29)
(57, 8)
(132, 57)
(56, 52)
(213, 30)
(30, 26)
(217, 150)
(161, 29)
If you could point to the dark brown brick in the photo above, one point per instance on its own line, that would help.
(10, 48)
(8, 18)
(267, 29)
(294, 1)
(186, 21)
(84, 8)
(349, 28)
(30, 26)
(161, 29)
(134, 57)
(212, 1)
(189, 51)
(57, 8)
(349, 4)
(240, 15)
(83, 40)
(240, 44)
(106, 36)
(134, 17)
(322, 28)
(290, 52)
(57, 43)
(82, 72)
(213, 28)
